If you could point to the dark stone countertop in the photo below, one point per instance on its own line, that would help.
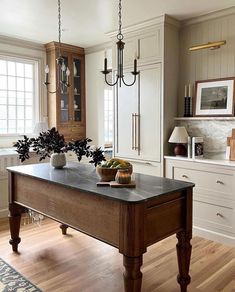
(83, 177)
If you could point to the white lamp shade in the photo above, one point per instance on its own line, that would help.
(40, 127)
(179, 135)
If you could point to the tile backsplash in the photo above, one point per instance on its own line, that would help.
(214, 132)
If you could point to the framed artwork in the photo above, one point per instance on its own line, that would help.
(214, 97)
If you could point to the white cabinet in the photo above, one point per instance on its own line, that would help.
(144, 112)
(7, 161)
(138, 113)
(146, 46)
(213, 195)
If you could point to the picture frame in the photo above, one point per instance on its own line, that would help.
(214, 97)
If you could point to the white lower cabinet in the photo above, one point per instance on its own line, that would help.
(213, 195)
(7, 161)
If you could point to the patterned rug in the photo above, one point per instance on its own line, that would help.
(11, 280)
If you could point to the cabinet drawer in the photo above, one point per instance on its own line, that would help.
(146, 168)
(72, 132)
(213, 217)
(210, 181)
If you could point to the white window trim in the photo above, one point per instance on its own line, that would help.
(37, 62)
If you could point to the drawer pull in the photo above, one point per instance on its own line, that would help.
(185, 176)
(220, 215)
(219, 182)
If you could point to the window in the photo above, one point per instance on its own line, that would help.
(17, 95)
(108, 116)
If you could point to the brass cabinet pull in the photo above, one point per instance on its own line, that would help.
(135, 134)
(219, 182)
(133, 131)
(137, 117)
(185, 176)
(220, 215)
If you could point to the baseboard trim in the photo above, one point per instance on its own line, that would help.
(208, 234)
(4, 213)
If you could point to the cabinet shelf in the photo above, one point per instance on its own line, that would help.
(204, 119)
(77, 110)
(64, 109)
(77, 76)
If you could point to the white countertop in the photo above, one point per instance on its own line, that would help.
(8, 151)
(217, 159)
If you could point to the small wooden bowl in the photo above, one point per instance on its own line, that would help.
(108, 174)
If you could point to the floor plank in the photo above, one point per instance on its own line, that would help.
(76, 262)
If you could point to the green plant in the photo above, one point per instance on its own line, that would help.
(52, 142)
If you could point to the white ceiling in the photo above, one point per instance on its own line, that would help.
(85, 22)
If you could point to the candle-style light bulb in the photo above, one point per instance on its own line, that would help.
(47, 69)
(46, 74)
(67, 74)
(67, 71)
(63, 67)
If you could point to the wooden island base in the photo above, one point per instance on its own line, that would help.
(128, 219)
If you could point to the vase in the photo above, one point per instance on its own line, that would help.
(58, 160)
(74, 69)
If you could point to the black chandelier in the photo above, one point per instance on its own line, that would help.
(63, 72)
(120, 48)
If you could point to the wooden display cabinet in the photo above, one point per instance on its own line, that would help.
(66, 107)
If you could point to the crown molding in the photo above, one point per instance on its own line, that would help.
(98, 48)
(21, 43)
(151, 23)
(209, 16)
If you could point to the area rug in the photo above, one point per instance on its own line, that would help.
(11, 280)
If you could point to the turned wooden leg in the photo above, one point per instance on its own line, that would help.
(14, 222)
(184, 249)
(64, 227)
(132, 274)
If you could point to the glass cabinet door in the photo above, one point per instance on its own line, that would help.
(64, 96)
(77, 100)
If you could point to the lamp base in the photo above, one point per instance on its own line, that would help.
(180, 150)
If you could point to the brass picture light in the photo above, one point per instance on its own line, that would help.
(209, 45)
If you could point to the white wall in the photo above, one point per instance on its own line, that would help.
(95, 96)
(207, 64)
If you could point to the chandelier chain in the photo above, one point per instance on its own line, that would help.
(59, 21)
(120, 35)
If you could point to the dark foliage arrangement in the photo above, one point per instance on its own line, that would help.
(52, 142)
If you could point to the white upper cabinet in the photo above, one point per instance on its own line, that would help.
(150, 47)
(146, 47)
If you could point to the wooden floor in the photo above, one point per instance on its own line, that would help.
(77, 262)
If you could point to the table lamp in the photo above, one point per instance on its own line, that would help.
(179, 136)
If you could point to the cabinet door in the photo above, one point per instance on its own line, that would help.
(149, 113)
(77, 91)
(63, 96)
(126, 105)
(137, 121)
(150, 46)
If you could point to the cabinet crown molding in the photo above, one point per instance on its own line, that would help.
(151, 23)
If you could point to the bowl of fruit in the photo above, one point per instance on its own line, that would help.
(107, 171)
